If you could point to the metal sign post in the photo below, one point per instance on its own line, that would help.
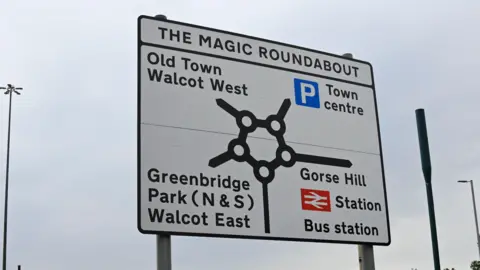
(366, 256)
(164, 252)
(164, 241)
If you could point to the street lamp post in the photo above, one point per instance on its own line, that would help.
(474, 212)
(10, 90)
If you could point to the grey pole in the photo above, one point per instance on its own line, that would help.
(474, 212)
(476, 219)
(19, 267)
(11, 89)
(164, 252)
(366, 257)
(164, 241)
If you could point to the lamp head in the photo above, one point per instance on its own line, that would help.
(463, 181)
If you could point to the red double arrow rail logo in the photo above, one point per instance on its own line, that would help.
(316, 200)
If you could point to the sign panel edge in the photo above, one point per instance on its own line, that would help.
(139, 87)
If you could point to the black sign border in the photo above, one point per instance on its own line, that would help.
(372, 86)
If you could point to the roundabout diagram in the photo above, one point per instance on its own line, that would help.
(264, 170)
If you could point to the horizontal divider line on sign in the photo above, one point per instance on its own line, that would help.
(261, 138)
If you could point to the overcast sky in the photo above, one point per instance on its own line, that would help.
(73, 155)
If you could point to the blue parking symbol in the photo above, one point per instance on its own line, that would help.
(306, 93)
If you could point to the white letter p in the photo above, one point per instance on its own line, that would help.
(307, 90)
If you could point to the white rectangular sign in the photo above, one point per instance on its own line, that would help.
(248, 138)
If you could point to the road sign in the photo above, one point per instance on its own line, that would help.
(243, 137)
